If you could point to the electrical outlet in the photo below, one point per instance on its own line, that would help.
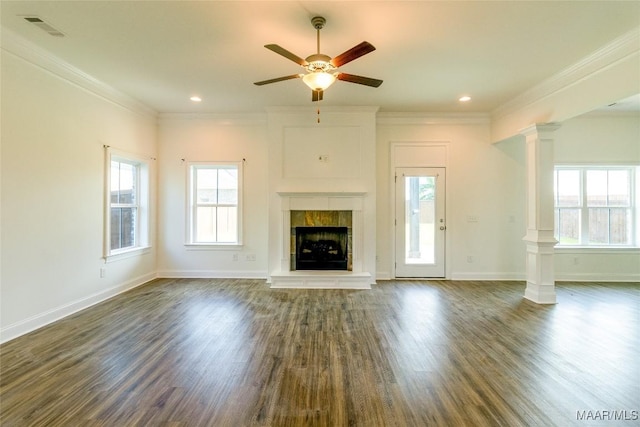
(234, 257)
(472, 218)
(251, 257)
(103, 272)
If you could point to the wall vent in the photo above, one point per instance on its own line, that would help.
(44, 26)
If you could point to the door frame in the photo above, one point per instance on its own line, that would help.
(418, 154)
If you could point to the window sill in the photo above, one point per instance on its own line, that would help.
(128, 253)
(213, 246)
(596, 249)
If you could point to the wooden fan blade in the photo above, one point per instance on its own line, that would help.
(316, 95)
(284, 52)
(353, 53)
(278, 79)
(352, 78)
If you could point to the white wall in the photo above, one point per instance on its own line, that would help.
(53, 133)
(212, 138)
(598, 139)
(601, 139)
(483, 180)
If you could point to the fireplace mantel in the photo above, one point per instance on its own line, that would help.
(317, 279)
(322, 166)
(322, 193)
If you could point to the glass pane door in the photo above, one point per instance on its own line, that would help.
(419, 219)
(420, 222)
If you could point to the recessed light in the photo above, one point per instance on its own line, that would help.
(195, 98)
(464, 98)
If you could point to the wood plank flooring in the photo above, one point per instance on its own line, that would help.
(195, 352)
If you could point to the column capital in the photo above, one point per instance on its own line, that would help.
(541, 237)
(540, 128)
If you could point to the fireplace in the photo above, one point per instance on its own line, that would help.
(322, 168)
(321, 248)
(321, 240)
(332, 224)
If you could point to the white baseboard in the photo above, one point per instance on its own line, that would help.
(489, 276)
(560, 277)
(596, 277)
(466, 276)
(383, 275)
(211, 274)
(39, 320)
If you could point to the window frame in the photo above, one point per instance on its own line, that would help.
(190, 231)
(142, 197)
(584, 207)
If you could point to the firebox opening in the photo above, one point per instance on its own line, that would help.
(321, 248)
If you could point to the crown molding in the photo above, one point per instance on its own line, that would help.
(613, 114)
(540, 129)
(389, 118)
(232, 119)
(381, 118)
(621, 48)
(323, 108)
(16, 45)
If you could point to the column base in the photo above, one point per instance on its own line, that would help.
(540, 294)
(541, 287)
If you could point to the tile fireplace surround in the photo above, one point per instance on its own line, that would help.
(321, 279)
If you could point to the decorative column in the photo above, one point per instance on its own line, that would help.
(539, 240)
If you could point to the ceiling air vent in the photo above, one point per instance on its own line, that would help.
(43, 26)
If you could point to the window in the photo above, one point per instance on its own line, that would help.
(594, 206)
(124, 204)
(127, 210)
(215, 203)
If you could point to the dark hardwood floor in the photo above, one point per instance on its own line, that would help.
(407, 353)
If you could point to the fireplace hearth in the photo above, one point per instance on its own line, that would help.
(321, 248)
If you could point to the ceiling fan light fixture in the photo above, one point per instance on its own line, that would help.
(322, 70)
(319, 80)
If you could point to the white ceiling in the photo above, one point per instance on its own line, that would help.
(429, 53)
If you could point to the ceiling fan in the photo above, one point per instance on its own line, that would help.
(322, 70)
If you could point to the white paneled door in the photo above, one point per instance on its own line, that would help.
(420, 223)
